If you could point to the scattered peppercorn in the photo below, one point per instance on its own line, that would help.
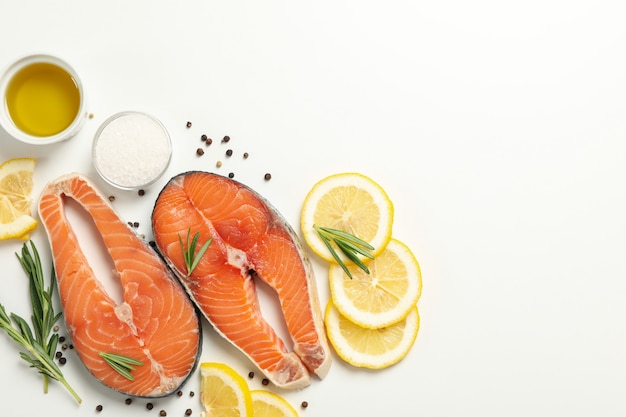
(98, 408)
(268, 176)
(265, 381)
(179, 393)
(188, 412)
(218, 164)
(209, 141)
(200, 151)
(55, 328)
(250, 374)
(304, 404)
(191, 393)
(141, 192)
(135, 224)
(229, 152)
(226, 139)
(62, 339)
(64, 346)
(149, 406)
(62, 360)
(162, 413)
(188, 124)
(203, 138)
(111, 198)
(129, 401)
(91, 115)
(71, 346)
(58, 354)
(245, 155)
(231, 175)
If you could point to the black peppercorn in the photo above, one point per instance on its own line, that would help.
(128, 401)
(149, 406)
(203, 138)
(268, 176)
(265, 381)
(98, 408)
(226, 139)
(141, 192)
(250, 374)
(200, 151)
(188, 412)
(162, 413)
(209, 141)
(231, 175)
(188, 124)
(62, 360)
(229, 152)
(245, 155)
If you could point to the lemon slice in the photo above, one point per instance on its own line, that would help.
(371, 348)
(16, 184)
(350, 202)
(268, 404)
(384, 296)
(223, 392)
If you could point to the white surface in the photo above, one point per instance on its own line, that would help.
(497, 128)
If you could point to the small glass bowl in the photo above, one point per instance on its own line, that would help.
(131, 150)
(7, 122)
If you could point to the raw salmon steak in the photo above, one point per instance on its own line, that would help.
(156, 323)
(250, 240)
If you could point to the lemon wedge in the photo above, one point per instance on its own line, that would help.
(371, 348)
(384, 296)
(16, 184)
(223, 392)
(269, 404)
(350, 202)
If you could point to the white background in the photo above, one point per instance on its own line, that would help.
(497, 128)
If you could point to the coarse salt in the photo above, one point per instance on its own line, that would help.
(131, 150)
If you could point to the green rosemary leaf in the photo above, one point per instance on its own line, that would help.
(350, 254)
(192, 259)
(121, 364)
(200, 253)
(348, 237)
(351, 246)
(334, 254)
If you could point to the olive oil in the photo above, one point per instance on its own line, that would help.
(42, 99)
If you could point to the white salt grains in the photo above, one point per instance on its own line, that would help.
(131, 150)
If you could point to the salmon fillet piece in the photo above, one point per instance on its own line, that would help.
(250, 240)
(156, 323)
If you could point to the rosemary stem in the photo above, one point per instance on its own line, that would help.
(45, 362)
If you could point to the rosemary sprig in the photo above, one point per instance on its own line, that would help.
(189, 251)
(122, 364)
(40, 342)
(348, 244)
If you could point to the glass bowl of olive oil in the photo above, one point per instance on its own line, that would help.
(44, 101)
